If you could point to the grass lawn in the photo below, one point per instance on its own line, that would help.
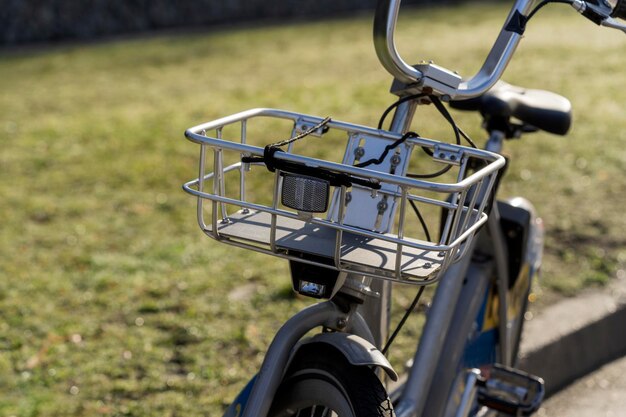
(111, 300)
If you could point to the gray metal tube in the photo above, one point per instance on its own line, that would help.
(403, 117)
(384, 28)
(431, 344)
(501, 53)
(501, 257)
(277, 356)
(465, 311)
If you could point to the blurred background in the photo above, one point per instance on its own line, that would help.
(31, 21)
(113, 303)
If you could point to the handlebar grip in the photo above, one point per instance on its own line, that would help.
(620, 10)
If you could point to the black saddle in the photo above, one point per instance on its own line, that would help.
(538, 108)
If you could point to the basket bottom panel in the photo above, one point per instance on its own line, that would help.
(358, 252)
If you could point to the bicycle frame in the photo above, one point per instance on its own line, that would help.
(446, 329)
(445, 333)
(443, 339)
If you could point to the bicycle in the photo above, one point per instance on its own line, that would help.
(342, 226)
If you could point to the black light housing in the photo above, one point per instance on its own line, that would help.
(312, 280)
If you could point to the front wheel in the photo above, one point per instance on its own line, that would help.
(322, 383)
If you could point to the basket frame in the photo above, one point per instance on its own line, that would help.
(466, 213)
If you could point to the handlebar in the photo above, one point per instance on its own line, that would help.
(445, 83)
(602, 12)
(501, 53)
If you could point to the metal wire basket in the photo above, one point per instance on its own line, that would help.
(362, 231)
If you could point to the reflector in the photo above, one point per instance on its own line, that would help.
(304, 193)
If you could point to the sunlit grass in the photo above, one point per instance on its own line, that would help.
(111, 300)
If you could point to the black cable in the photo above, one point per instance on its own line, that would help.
(396, 104)
(433, 175)
(389, 147)
(446, 115)
(421, 219)
(541, 5)
(458, 132)
(321, 125)
(404, 319)
(467, 138)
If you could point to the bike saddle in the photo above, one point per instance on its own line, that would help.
(539, 108)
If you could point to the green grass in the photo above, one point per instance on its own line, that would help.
(113, 303)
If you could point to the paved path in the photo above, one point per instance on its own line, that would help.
(599, 394)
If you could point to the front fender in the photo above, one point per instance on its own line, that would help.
(358, 351)
(236, 407)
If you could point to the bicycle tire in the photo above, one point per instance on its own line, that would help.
(322, 383)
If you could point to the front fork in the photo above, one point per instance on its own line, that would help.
(326, 314)
(269, 377)
(339, 315)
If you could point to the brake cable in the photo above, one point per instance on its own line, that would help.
(406, 315)
(518, 21)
